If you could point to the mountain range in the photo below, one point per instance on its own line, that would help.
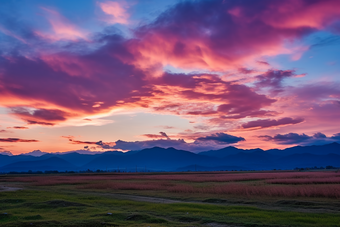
(170, 159)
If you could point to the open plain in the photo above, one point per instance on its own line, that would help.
(233, 198)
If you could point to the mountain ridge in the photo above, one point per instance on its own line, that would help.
(171, 159)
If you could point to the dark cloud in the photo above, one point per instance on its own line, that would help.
(267, 123)
(17, 140)
(30, 122)
(157, 136)
(20, 127)
(336, 136)
(73, 141)
(153, 136)
(290, 138)
(221, 138)
(263, 63)
(39, 116)
(319, 135)
(273, 79)
(303, 139)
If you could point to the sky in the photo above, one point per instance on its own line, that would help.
(195, 75)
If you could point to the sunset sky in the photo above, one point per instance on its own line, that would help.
(194, 75)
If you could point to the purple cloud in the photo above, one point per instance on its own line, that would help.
(268, 123)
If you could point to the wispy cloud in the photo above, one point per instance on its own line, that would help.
(61, 27)
(17, 140)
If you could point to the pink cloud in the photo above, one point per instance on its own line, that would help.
(120, 73)
(116, 12)
(201, 35)
(62, 28)
(301, 13)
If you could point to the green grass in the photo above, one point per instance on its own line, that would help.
(56, 208)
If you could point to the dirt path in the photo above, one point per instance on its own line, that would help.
(283, 205)
(140, 198)
(4, 188)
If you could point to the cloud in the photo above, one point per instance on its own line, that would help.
(79, 78)
(4, 131)
(9, 33)
(303, 139)
(290, 138)
(62, 28)
(116, 12)
(317, 92)
(221, 138)
(268, 123)
(55, 87)
(73, 141)
(263, 63)
(273, 79)
(336, 137)
(328, 41)
(156, 136)
(19, 127)
(179, 144)
(210, 142)
(218, 34)
(17, 140)
(39, 116)
(200, 94)
(139, 145)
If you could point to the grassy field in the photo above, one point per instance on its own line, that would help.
(172, 199)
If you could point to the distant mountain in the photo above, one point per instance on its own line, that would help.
(221, 153)
(75, 158)
(81, 152)
(256, 160)
(53, 163)
(6, 153)
(308, 160)
(5, 159)
(170, 159)
(36, 153)
(314, 149)
(152, 158)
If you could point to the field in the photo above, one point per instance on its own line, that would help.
(171, 199)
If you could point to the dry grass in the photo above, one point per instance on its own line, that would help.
(272, 184)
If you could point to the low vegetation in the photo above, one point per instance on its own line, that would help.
(196, 199)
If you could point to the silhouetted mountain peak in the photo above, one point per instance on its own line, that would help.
(35, 153)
